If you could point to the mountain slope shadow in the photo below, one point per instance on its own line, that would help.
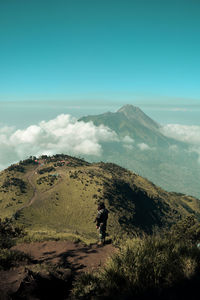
(135, 207)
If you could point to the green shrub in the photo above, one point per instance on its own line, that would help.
(155, 263)
(151, 262)
(87, 286)
(186, 230)
(12, 258)
(9, 233)
(47, 169)
(17, 168)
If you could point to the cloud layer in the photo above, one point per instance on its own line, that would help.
(186, 133)
(189, 134)
(64, 134)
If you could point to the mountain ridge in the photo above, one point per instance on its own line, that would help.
(131, 120)
(165, 161)
(66, 191)
(134, 112)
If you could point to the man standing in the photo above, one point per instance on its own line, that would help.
(101, 222)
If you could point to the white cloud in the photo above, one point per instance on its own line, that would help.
(189, 134)
(185, 133)
(129, 147)
(63, 134)
(127, 140)
(144, 146)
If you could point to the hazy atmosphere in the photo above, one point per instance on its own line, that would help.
(39, 129)
(61, 60)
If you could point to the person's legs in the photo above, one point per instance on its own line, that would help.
(102, 235)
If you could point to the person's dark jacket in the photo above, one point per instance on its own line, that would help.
(102, 216)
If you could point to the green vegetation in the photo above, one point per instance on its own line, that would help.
(148, 266)
(17, 168)
(44, 170)
(12, 258)
(156, 232)
(47, 179)
(13, 181)
(54, 235)
(15, 189)
(62, 199)
(9, 233)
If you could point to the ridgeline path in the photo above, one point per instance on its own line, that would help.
(76, 256)
(36, 194)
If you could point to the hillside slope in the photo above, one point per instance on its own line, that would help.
(60, 194)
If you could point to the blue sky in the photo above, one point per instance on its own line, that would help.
(100, 50)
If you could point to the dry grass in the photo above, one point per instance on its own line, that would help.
(68, 203)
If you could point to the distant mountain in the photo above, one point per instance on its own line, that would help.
(135, 114)
(145, 150)
(131, 121)
(60, 194)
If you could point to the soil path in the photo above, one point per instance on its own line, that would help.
(68, 254)
(65, 254)
(36, 193)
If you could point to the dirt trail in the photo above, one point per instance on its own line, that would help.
(64, 254)
(36, 194)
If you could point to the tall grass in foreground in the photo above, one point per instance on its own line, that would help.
(146, 266)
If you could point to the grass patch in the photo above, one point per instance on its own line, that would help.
(68, 199)
(50, 235)
(12, 258)
(9, 233)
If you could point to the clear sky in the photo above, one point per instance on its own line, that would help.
(94, 50)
